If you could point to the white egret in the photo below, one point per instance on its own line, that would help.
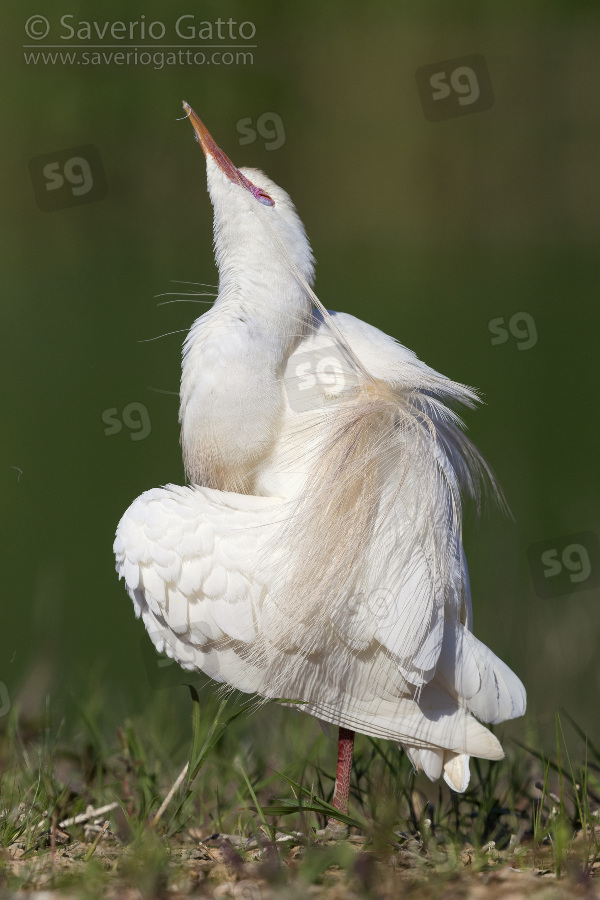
(316, 554)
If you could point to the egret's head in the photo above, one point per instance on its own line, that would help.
(248, 209)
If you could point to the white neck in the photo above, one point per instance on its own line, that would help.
(232, 395)
(234, 356)
(268, 301)
(256, 279)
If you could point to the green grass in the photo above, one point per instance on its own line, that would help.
(264, 780)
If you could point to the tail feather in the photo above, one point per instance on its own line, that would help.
(454, 766)
(456, 771)
(491, 690)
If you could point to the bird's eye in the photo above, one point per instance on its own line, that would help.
(262, 197)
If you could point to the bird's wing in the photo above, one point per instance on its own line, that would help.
(410, 590)
(386, 358)
(186, 554)
(194, 564)
(413, 575)
(384, 651)
(319, 375)
(489, 689)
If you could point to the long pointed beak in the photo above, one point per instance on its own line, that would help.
(211, 148)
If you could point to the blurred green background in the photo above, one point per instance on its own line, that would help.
(428, 230)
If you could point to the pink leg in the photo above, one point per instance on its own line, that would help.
(344, 767)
